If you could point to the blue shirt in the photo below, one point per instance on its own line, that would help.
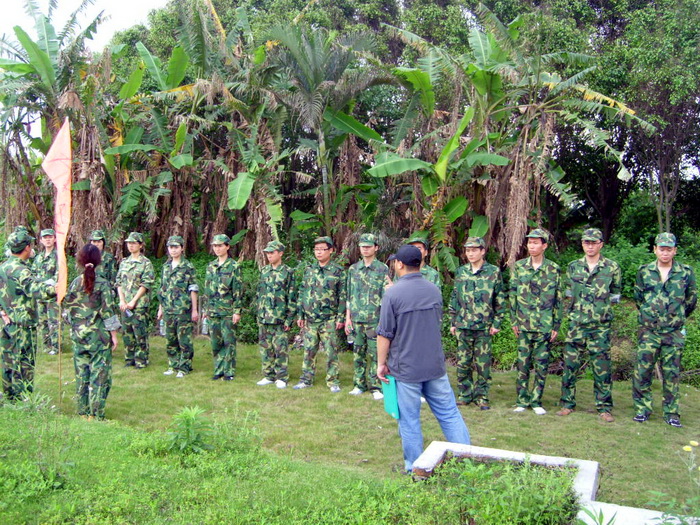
(411, 317)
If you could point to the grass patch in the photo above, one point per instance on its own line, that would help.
(331, 431)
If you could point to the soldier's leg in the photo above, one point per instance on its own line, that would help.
(185, 331)
(540, 360)
(217, 345)
(670, 358)
(375, 385)
(141, 350)
(465, 359)
(598, 342)
(524, 363)
(27, 362)
(171, 340)
(51, 325)
(81, 362)
(329, 337)
(11, 369)
(129, 338)
(360, 364)
(647, 350)
(482, 363)
(266, 334)
(310, 344)
(280, 345)
(100, 380)
(573, 352)
(228, 335)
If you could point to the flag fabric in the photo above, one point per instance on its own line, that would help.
(57, 166)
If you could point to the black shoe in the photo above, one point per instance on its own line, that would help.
(228, 378)
(461, 403)
(484, 406)
(129, 363)
(640, 418)
(674, 422)
(216, 377)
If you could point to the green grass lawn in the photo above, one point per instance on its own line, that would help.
(356, 434)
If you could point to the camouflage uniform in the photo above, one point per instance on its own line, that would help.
(322, 305)
(107, 268)
(135, 272)
(223, 294)
(590, 315)
(176, 285)
(45, 267)
(92, 317)
(477, 303)
(276, 309)
(19, 289)
(536, 312)
(365, 288)
(432, 275)
(663, 309)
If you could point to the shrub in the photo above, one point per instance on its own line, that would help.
(190, 431)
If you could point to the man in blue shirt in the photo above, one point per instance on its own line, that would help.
(409, 347)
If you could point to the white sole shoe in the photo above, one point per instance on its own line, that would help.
(519, 409)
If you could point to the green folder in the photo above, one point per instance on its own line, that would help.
(391, 401)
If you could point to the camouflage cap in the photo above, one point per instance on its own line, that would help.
(475, 242)
(19, 240)
(538, 233)
(592, 234)
(274, 246)
(221, 238)
(20, 229)
(368, 239)
(47, 232)
(416, 238)
(134, 237)
(98, 235)
(665, 239)
(176, 240)
(326, 239)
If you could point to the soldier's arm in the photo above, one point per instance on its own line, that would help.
(34, 287)
(237, 289)
(557, 303)
(616, 285)
(513, 298)
(499, 302)
(341, 290)
(453, 304)
(193, 288)
(639, 287)
(291, 291)
(691, 293)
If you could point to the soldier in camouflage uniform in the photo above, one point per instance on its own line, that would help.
(276, 308)
(367, 279)
(666, 294)
(535, 313)
(321, 310)
(477, 306)
(19, 289)
(223, 291)
(45, 267)
(428, 272)
(91, 311)
(135, 280)
(594, 284)
(108, 267)
(178, 308)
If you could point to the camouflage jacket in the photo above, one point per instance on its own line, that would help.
(90, 313)
(664, 307)
(276, 301)
(365, 288)
(592, 293)
(478, 300)
(176, 285)
(322, 293)
(223, 289)
(134, 273)
(45, 265)
(534, 296)
(107, 269)
(19, 290)
(431, 274)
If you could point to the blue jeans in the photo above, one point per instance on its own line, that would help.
(441, 400)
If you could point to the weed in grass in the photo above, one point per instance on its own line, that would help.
(683, 512)
(190, 431)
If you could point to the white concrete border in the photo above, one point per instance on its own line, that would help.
(585, 482)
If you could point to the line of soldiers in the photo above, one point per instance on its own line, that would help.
(328, 300)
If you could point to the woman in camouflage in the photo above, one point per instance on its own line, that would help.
(91, 311)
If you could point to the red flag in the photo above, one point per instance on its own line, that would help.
(57, 166)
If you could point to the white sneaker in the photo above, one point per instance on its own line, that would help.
(422, 399)
(356, 392)
(169, 372)
(180, 375)
(335, 389)
(539, 411)
(299, 386)
(280, 384)
(264, 381)
(377, 395)
(519, 409)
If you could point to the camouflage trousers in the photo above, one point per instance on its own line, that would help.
(223, 345)
(667, 349)
(47, 313)
(590, 345)
(473, 353)
(274, 351)
(533, 353)
(365, 357)
(178, 341)
(92, 358)
(18, 360)
(135, 334)
(316, 333)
